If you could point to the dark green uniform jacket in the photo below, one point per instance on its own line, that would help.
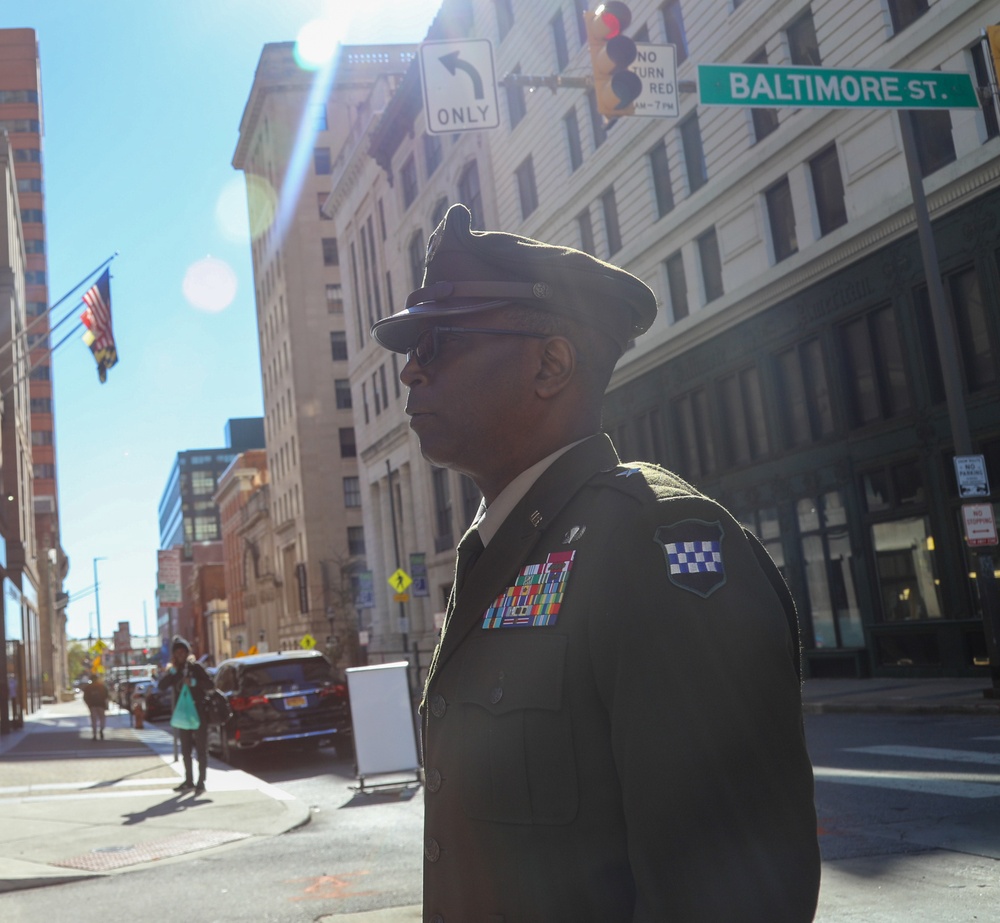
(612, 721)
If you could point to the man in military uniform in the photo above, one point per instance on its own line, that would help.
(612, 718)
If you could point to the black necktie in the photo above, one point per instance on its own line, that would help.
(469, 549)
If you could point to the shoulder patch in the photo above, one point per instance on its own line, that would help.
(692, 549)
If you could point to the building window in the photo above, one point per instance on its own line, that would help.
(905, 12)
(319, 118)
(828, 190)
(41, 437)
(804, 394)
(331, 254)
(342, 392)
(334, 298)
(781, 218)
(27, 155)
(352, 492)
(516, 108)
(32, 216)
(694, 155)
(596, 120)
(677, 285)
(321, 161)
(34, 277)
(673, 24)
(29, 185)
(526, 190)
(660, 169)
(41, 373)
(41, 405)
(471, 195)
(36, 308)
(743, 418)
(432, 154)
(611, 225)
(356, 541)
(765, 121)
(586, 228)
(973, 327)
(376, 395)
(321, 198)
(348, 447)
(573, 140)
(34, 246)
(416, 251)
(932, 138)
(875, 374)
(338, 345)
(38, 339)
(443, 529)
(558, 28)
(803, 48)
(711, 265)
(505, 17)
(986, 101)
(693, 433)
(202, 483)
(648, 430)
(408, 177)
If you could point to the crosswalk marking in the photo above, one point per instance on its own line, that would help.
(950, 784)
(932, 753)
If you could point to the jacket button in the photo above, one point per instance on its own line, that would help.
(433, 780)
(438, 706)
(432, 852)
(496, 694)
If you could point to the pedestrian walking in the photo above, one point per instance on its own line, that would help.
(190, 684)
(612, 718)
(95, 697)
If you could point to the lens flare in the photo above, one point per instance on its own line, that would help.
(209, 285)
(261, 205)
(231, 212)
(316, 43)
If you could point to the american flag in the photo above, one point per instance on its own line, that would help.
(97, 319)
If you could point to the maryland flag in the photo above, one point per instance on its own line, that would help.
(97, 319)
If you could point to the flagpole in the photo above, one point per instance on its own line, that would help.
(29, 327)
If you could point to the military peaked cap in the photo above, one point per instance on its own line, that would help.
(468, 271)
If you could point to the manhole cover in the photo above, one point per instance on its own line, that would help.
(109, 858)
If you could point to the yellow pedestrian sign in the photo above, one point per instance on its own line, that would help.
(400, 580)
(308, 642)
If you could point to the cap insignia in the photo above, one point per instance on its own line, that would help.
(541, 290)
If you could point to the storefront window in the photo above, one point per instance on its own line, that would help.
(828, 565)
(908, 582)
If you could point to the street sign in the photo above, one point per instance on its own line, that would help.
(970, 470)
(980, 524)
(401, 597)
(823, 87)
(400, 580)
(656, 66)
(307, 642)
(460, 86)
(418, 570)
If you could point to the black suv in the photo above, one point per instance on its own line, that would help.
(281, 698)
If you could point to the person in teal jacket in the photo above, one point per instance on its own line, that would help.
(183, 671)
(612, 722)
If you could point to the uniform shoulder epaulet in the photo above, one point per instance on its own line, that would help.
(645, 482)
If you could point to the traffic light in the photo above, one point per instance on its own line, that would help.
(611, 53)
(993, 40)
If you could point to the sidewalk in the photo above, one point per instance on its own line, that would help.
(72, 807)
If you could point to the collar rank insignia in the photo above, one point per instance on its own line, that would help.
(693, 552)
(534, 599)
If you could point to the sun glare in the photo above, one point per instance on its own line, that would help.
(209, 285)
(317, 42)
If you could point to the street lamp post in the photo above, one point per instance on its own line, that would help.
(97, 598)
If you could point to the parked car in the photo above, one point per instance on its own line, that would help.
(284, 698)
(155, 703)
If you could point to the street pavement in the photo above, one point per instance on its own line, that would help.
(72, 807)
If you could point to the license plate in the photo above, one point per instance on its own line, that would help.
(295, 701)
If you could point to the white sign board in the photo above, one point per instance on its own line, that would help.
(971, 473)
(656, 65)
(384, 735)
(460, 86)
(980, 524)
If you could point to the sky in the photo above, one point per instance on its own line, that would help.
(141, 112)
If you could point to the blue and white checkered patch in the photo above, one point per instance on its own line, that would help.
(692, 551)
(694, 557)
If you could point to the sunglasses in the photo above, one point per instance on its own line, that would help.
(425, 350)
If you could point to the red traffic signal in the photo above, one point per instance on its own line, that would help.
(611, 54)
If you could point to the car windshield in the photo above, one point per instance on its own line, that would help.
(281, 676)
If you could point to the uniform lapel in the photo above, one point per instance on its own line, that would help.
(512, 546)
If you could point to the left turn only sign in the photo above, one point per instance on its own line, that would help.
(460, 86)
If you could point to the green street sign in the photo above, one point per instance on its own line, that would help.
(767, 86)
